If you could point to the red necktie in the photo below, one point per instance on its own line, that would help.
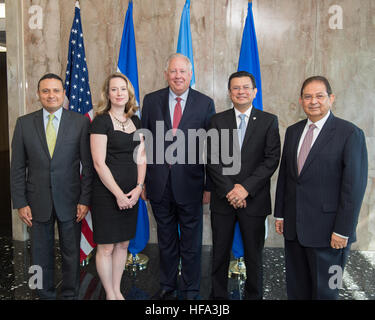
(177, 115)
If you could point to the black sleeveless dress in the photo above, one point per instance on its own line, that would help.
(110, 224)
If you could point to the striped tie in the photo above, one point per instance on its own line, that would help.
(51, 134)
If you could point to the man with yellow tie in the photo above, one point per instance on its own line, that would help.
(48, 148)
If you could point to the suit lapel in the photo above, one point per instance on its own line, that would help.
(295, 142)
(39, 126)
(251, 125)
(64, 123)
(165, 109)
(232, 121)
(188, 110)
(326, 134)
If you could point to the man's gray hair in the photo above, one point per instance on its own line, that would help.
(178, 55)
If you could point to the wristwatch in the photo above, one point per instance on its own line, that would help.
(141, 185)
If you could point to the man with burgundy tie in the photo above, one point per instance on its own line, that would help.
(176, 190)
(49, 147)
(242, 196)
(320, 188)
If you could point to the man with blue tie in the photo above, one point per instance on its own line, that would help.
(320, 188)
(176, 190)
(243, 196)
(49, 147)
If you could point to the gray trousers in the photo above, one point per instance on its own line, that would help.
(43, 255)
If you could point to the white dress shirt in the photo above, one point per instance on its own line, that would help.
(319, 125)
(173, 101)
(246, 113)
(55, 121)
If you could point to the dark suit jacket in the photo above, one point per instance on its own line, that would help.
(42, 182)
(260, 154)
(327, 196)
(187, 179)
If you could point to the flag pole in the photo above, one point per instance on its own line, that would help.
(135, 262)
(237, 269)
(85, 261)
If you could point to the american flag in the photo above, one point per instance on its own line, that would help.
(78, 99)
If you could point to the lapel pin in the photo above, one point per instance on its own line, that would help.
(254, 118)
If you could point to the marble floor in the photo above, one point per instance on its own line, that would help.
(358, 281)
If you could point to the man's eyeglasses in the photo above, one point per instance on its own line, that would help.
(244, 88)
(309, 97)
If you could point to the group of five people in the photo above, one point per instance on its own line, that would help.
(320, 188)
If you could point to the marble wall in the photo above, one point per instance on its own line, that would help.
(296, 39)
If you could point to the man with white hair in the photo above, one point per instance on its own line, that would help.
(176, 190)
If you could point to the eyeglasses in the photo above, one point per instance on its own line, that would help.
(244, 88)
(309, 97)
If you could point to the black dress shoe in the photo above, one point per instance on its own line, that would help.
(165, 295)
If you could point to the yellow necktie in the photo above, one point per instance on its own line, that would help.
(51, 134)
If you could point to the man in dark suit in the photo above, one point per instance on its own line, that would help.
(176, 189)
(48, 147)
(244, 194)
(320, 188)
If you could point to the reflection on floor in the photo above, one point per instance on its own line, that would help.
(358, 281)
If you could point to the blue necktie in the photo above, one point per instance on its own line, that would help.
(242, 128)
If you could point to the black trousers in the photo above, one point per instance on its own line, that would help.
(179, 229)
(42, 253)
(252, 231)
(313, 273)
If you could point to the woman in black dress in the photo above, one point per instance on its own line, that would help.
(120, 165)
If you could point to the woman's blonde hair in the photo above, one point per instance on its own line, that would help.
(105, 104)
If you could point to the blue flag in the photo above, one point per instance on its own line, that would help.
(185, 45)
(127, 65)
(127, 61)
(249, 61)
(249, 58)
(78, 99)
